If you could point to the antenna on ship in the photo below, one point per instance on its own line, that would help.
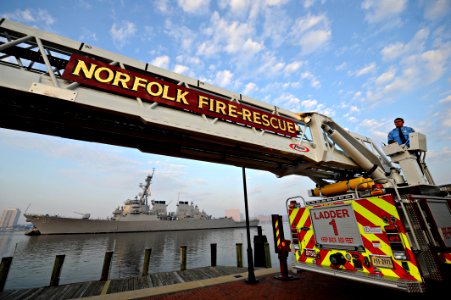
(146, 190)
(27, 208)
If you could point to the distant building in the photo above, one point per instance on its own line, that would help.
(234, 213)
(9, 218)
(264, 219)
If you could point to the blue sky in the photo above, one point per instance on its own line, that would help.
(363, 63)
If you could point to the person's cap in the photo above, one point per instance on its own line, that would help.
(399, 119)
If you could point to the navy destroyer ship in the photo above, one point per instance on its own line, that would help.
(136, 215)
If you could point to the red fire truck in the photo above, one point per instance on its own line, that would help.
(388, 227)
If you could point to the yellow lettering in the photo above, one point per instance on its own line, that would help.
(272, 124)
(220, 107)
(256, 117)
(110, 75)
(202, 101)
(265, 119)
(246, 115)
(282, 124)
(165, 93)
(122, 78)
(81, 66)
(139, 82)
(232, 111)
(181, 96)
(291, 128)
(159, 90)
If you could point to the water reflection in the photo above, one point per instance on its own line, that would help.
(34, 256)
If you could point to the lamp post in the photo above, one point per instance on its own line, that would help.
(250, 260)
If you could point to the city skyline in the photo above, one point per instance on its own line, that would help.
(10, 217)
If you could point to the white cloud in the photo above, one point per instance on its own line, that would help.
(230, 37)
(393, 51)
(309, 22)
(161, 61)
(188, 59)
(31, 16)
(386, 77)
(311, 33)
(275, 24)
(436, 9)
(370, 123)
(381, 10)
(357, 95)
(180, 69)
(237, 7)
(122, 32)
(223, 78)
(293, 103)
(250, 87)
(270, 65)
(25, 15)
(415, 68)
(398, 49)
(434, 63)
(275, 2)
(313, 40)
(446, 118)
(341, 66)
(314, 82)
(366, 69)
(163, 6)
(293, 67)
(88, 35)
(44, 16)
(308, 3)
(252, 46)
(207, 48)
(194, 6)
(309, 103)
(354, 108)
(447, 99)
(183, 35)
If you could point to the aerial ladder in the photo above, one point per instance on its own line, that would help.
(374, 215)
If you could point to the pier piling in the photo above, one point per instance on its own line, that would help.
(213, 254)
(4, 270)
(239, 255)
(259, 248)
(267, 256)
(182, 258)
(106, 265)
(147, 253)
(56, 272)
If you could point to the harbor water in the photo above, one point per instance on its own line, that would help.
(34, 256)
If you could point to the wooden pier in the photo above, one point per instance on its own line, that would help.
(97, 288)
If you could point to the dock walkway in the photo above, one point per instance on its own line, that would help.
(114, 286)
(224, 283)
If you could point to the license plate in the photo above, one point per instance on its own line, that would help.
(382, 261)
(310, 253)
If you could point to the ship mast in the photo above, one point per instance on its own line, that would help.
(146, 189)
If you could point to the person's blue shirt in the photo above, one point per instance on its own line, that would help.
(394, 135)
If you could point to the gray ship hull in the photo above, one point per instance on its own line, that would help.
(61, 225)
